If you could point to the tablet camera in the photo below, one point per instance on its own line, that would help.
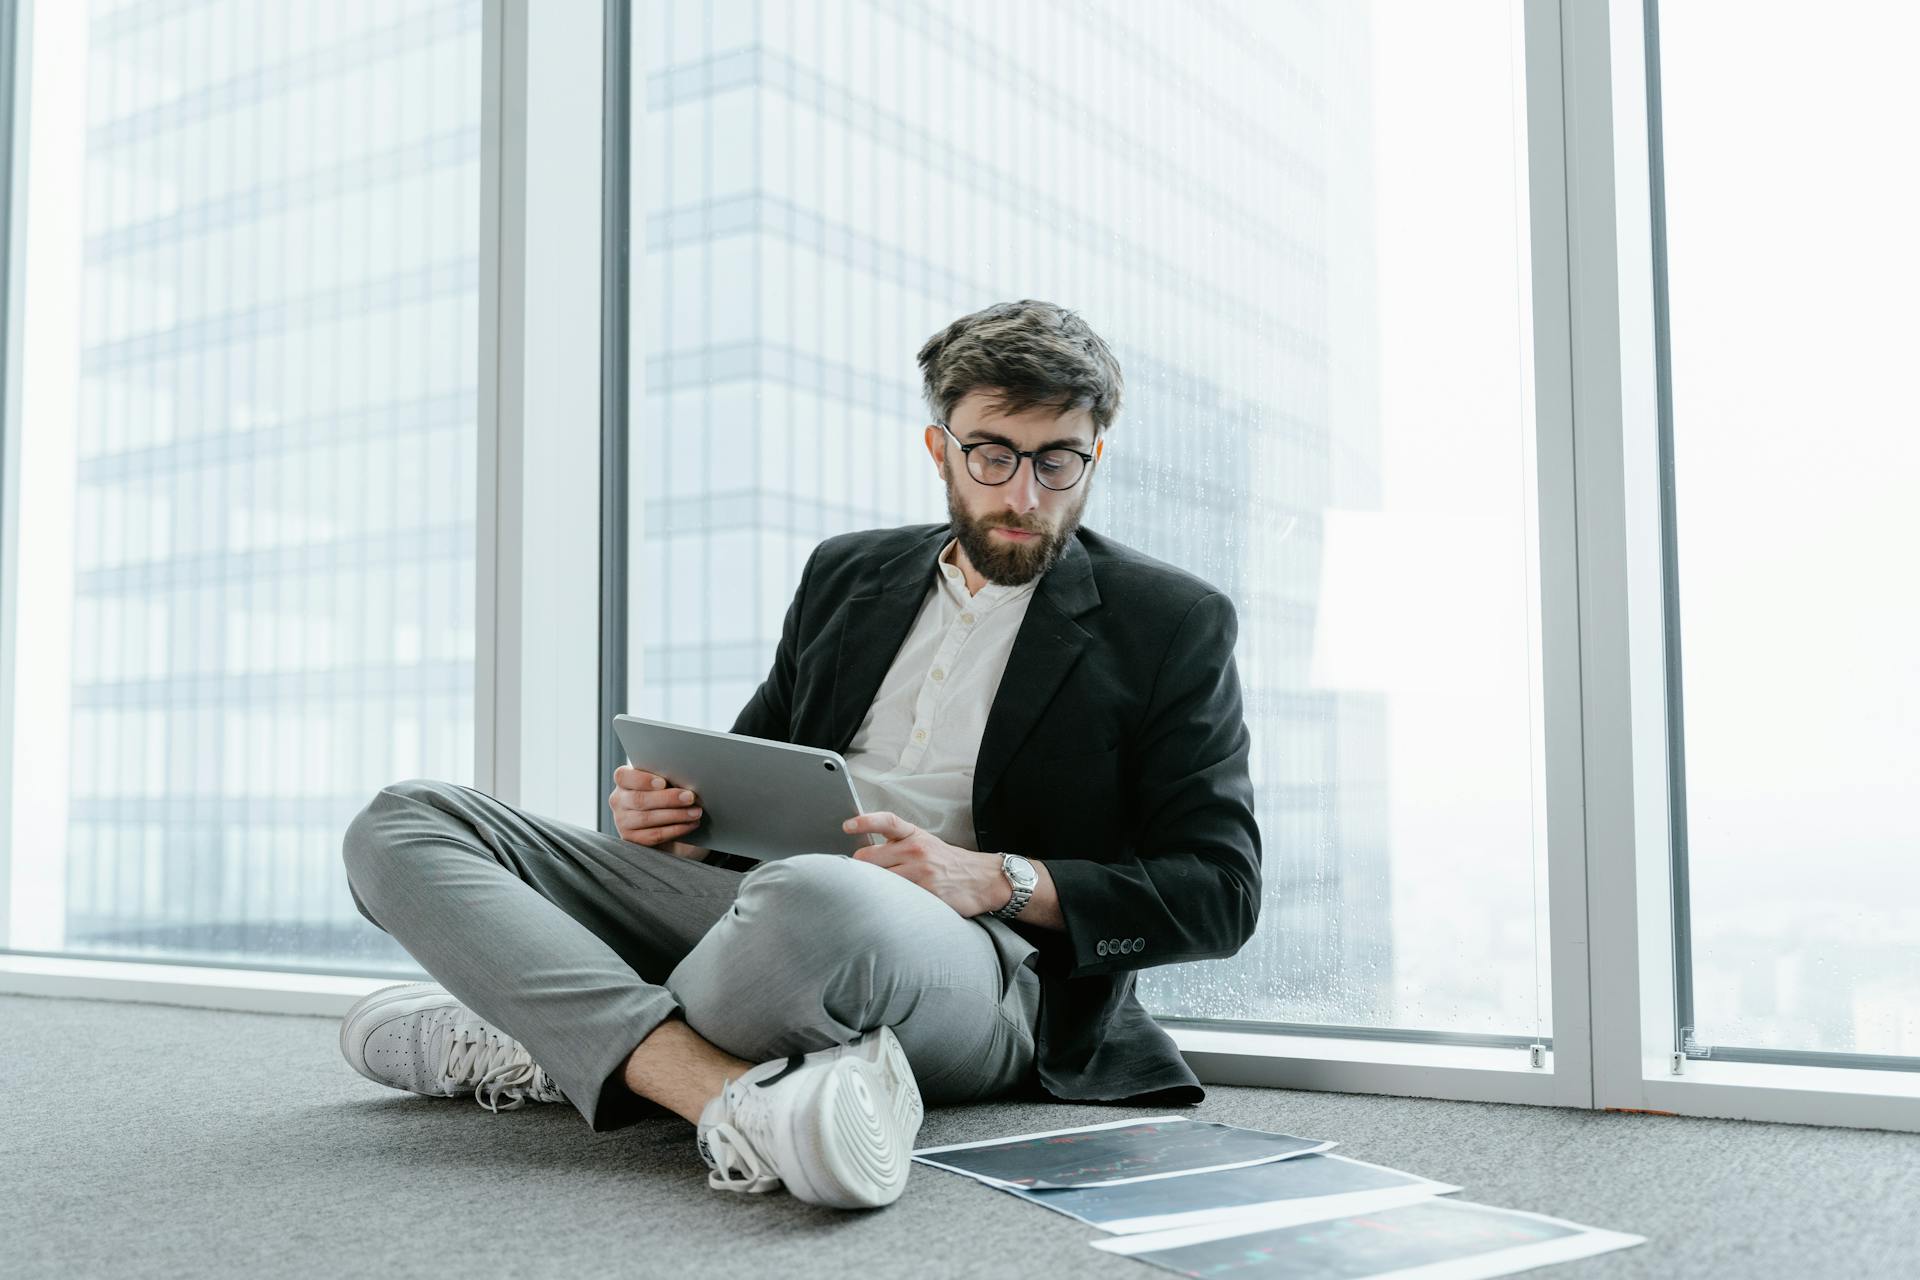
(829, 764)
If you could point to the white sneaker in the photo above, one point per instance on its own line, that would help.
(836, 1127)
(417, 1037)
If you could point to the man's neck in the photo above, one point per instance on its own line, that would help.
(970, 575)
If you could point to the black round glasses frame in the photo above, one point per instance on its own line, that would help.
(966, 450)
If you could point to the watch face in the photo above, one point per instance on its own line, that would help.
(1022, 871)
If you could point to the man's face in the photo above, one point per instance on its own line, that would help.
(1013, 532)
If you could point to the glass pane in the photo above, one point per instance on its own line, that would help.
(246, 501)
(1301, 227)
(1792, 267)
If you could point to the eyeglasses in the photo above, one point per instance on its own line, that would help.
(991, 462)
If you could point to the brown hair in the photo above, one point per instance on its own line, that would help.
(1028, 353)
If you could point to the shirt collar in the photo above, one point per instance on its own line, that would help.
(990, 594)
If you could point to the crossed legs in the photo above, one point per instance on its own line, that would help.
(630, 974)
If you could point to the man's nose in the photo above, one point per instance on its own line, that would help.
(1022, 493)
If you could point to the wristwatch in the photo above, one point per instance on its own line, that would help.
(1021, 874)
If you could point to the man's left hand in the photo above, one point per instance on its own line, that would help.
(967, 881)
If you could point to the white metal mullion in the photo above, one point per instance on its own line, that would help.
(1626, 801)
(1558, 547)
(537, 651)
(491, 604)
(1629, 886)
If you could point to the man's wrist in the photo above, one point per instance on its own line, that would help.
(1041, 910)
(1022, 879)
(1000, 892)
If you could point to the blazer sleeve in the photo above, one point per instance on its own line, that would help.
(1191, 888)
(769, 712)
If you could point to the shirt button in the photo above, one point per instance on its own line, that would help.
(1101, 947)
(919, 735)
(966, 619)
(938, 674)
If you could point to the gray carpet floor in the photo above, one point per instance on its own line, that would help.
(151, 1140)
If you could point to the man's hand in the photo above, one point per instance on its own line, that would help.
(969, 882)
(646, 810)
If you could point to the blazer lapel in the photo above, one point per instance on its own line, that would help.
(1048, 644)
(873, 626)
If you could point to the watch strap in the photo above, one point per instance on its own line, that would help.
(1020, 893)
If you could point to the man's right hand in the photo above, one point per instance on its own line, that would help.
(649, 810)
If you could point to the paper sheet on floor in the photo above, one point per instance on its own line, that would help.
(1121, 1151)
(1435, 1239)
(1279, 1192)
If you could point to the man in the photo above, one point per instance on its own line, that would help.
(1048, 728)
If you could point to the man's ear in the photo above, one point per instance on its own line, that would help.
(936, 444)
(1098, 447)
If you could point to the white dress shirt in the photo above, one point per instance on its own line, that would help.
(914, 752)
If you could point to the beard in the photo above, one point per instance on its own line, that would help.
(1005, 563)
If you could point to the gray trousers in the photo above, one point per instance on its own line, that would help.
(578, 944)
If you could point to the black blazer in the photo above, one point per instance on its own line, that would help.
(1115, 752)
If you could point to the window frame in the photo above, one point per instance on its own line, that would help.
(1686, 1013)
(1637, 898)
(1558, 1072)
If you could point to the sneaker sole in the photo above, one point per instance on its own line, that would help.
(853, 1152)
(378, 1007)
(889, 1057)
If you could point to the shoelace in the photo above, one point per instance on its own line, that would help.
(496, 1066)
(732, 1147)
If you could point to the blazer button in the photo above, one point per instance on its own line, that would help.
(1101, 947)
(1139, 944)
(1126, 945)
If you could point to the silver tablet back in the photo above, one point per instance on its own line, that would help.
(760, 799)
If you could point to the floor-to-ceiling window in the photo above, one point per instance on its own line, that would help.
(1303, 228)
(244, 503)
(1789, 272)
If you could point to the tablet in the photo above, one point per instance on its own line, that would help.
(758, 798)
